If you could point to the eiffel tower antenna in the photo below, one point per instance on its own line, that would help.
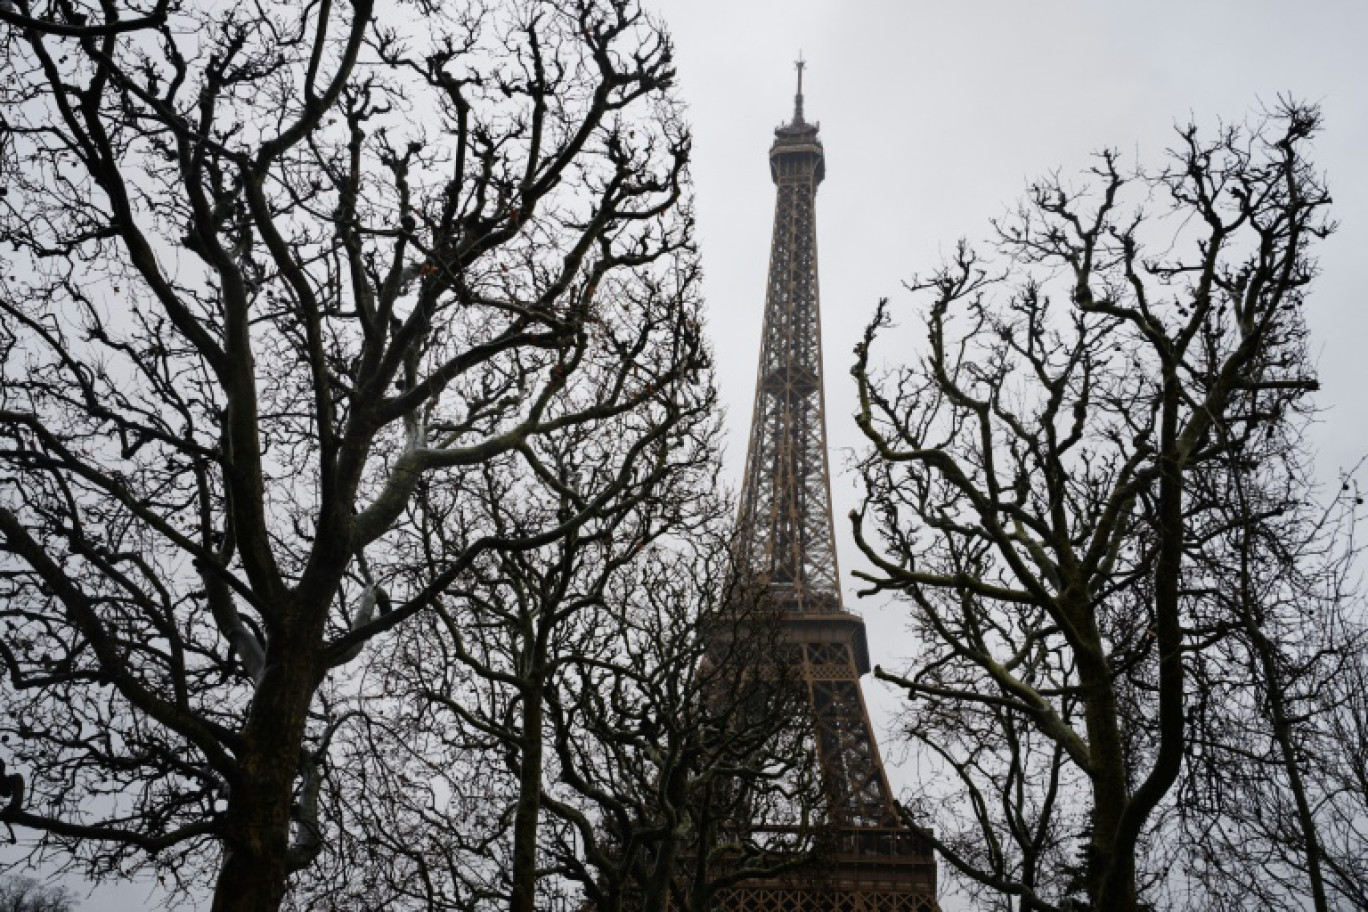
(787, 544)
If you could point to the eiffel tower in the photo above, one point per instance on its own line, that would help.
(873, 862)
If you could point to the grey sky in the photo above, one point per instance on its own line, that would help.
(935, 115)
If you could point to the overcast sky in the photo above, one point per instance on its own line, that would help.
(935, 115)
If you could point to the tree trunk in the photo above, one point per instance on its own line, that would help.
(255, 865)
(526, 819)
(1117, 886)
(1285, 736)
(662, 874)
(1110, 791)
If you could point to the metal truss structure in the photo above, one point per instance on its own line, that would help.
(786, 542)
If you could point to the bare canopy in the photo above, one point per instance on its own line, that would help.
(278, 278)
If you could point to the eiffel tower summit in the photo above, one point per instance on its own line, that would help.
(873, 863)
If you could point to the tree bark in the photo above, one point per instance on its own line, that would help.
(526, 819)
(255, 868)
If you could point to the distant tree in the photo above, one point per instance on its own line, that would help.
(1270, 573)
(24, 894)
(1340, 780)
(439, 801)
(283, 285)
(1054, 490)
(579, 723)
(685, 755)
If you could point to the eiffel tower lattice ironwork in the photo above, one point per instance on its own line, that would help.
(786, 541)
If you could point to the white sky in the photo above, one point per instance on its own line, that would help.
(935, 115)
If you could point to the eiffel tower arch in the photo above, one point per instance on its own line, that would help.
(872, 862)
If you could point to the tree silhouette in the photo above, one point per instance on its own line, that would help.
(280, 285)
(1050, 490)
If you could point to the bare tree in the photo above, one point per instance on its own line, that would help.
(685, 755)
(1275, 615)
(1038, 488)
(448, 740)
(1270, 791)
(582, 722)
(1341, 777)
(279, 281)
(24, 894)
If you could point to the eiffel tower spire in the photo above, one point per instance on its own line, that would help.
(786, 542)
